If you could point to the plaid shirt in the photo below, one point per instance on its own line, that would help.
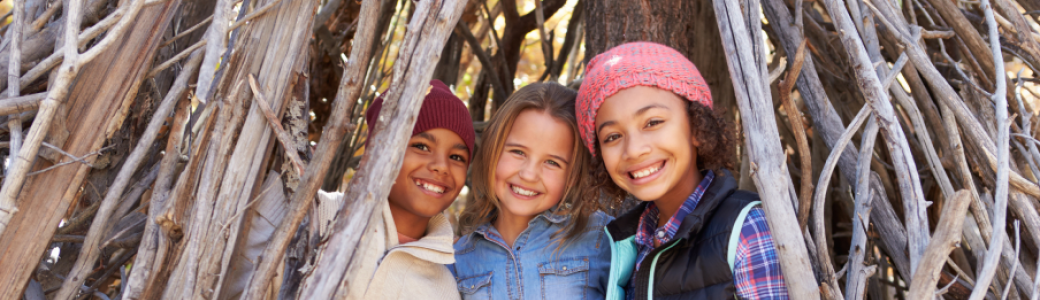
(756, 270)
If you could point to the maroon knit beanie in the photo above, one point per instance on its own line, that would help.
(440, 109)
(633, 64)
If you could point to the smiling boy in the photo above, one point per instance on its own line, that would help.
(411, 243)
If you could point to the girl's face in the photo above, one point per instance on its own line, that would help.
(432, 173)
(647, 147)
(532, 168)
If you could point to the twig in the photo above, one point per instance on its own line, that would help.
(856, 284)
(216, 43)
(74, 160)
(1000, 197)
(895, 71)
(258, 12)
(485, 60)
(276, 125)
(947, 235)
(17, 105)
(175, 59)
(186, 32)
(15, 33)
(794, 117)
(331, 138)
(547, 48)
(819, 232)
(1014, 267)
(46, 16)
(73, 157)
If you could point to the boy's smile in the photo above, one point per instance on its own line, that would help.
(432, 174)
(647, 147)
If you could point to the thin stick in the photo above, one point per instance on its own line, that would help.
(1014, 267)
(46, 16)
(175, 59)
(485, 60)
(276, 125)
(856, 284)
(1000, 197)
(794, 117)
(90, 251)
(14, 123)
(820, 234)
(216, 43)
(254, 14)
(186, 32)
(947, 235)
(331, 137)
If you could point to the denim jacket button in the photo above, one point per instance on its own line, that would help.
(565, 268)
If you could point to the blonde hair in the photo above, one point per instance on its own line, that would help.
(557, 101)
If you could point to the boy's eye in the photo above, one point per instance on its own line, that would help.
(458, 158)
(654, 122)
(421, 146)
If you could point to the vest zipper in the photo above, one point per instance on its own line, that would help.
(653, 267)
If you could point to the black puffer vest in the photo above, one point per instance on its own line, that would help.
(694, 265)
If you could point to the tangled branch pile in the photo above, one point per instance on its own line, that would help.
(146, 139)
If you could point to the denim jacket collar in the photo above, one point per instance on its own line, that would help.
(549, 216)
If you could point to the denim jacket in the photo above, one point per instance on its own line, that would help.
(486, 268)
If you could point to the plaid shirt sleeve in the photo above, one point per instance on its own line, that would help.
(756, 270)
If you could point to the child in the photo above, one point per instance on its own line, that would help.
(528, 232)
(411, 242)
(645, 115)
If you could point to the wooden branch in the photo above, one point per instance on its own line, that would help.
(413, 70)
(216, 43)
(20, 104)
(276, 126)
(856, 284)
(992, 260)
(966, 32)
(946, 238)
(46, 16)
(547, 48)
(823, 255)
(186, 32)
(794, 117)
(14, 70)
(331, 138)
(747, 68)
(482, 55)
(258, 12)
(150, 250)
(895, 140)
(175, 59)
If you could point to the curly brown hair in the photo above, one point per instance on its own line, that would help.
(717, 136)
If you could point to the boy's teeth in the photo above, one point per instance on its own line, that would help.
(645, 172)
(524, 192)
(430, 187)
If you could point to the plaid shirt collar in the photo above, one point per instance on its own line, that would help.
(648, 231)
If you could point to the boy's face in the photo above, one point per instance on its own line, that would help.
(432, 174)
(532, 168)
(647, 147)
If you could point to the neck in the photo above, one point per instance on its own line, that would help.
(669, 204)
(510, 226)
(408, 224)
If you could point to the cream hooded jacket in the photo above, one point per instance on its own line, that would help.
(413, 270)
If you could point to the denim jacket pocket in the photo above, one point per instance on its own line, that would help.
(566, 278)
(476, 287)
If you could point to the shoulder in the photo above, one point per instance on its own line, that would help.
(599, 219)
(466, 243)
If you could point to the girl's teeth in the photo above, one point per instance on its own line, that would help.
(645, 172)
(524, 192)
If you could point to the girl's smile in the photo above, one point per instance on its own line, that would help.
(647, 147)
(532, 169)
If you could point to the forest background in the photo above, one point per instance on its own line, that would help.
(175, 151)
